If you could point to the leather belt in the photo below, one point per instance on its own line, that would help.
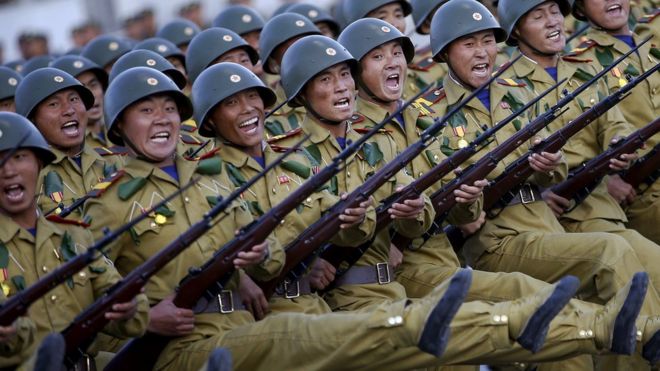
(226, 301)
(380, 273)
(527, 194)
(293, 289)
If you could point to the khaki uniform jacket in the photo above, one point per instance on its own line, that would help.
(31, 258)
(274, 188)
(355, 172)
(73, 182)
(286, 118)
(467, 124)
(590, 141)
(426, 69)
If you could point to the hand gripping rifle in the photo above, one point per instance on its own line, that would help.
(82, 331)
(646, 170)
(18, 304)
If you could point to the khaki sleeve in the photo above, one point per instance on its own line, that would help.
(356, 234)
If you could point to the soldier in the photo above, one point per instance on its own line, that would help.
(229, 102)
(247, 23)
(525, 236)
(322, 19)
(35, 63)
(323, 93)
(179, 32)
(148, 118)
(57, 104)
(95, 79)
(608, 39)
(105, 50)
(9, 80)
(147, 58)
(423, 64)
(167, 50)
(278, 34)
(33, 246)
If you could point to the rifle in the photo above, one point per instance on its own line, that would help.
(505, 187)
(209, 279)
(81, 332)
(97, 191)
(443, 199)
(335, 254)
(13, 150)
(583, 180)
(18, 304)
(645, 170)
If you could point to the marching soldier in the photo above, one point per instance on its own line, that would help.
(36, 63)
(423, 64)
(57, 104)
(322, 19)
(180, 32)
(169, 51)
(32, 246)
(608, 38)
(9, 80)
(247, 23)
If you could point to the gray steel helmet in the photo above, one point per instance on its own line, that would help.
(339, 14)
(179, 31)
(282, 9)
(240, 19)
(36, 63)
(211, 44)
(219, 82)
(147, 58)
(458, 18)
(307, 58)
(162, 46)
(133, 85)
(356, 9)
(509, 13)
(9, 80)
(106, 49)
(14, 127)
(16, 65)
(364, 35)
(44, 82)
(76, 65)
(316, 15)
(279, 30)
(422, 9)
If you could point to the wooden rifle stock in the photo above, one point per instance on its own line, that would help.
(646, 170)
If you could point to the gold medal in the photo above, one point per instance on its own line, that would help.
(462, 143)
(5, 288)
(622, 82)
(160, 219)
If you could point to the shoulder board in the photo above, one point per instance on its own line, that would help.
(189, 125)
(568, 58)
(111, 151)
(432, 97)
(511, 82)
(647, 18)
(583, 47)
(59, 220)
(105, 183)
(128, 189)
(190, 139)
(288, 134)
(367, 130)
(423, 65)
(357, 118)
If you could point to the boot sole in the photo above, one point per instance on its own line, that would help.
(624, 334)
(435, 335)
(533, 336)
(651, 350)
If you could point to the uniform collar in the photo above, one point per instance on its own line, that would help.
(137, 168)
(11, 230)
(457, 92)
(527, 67)
(377, 113)
(237, 157)
(88, 156)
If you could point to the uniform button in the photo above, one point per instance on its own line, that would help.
(186, 200)
(391, 321)
(582, 333)
(592, 101)
(398, 319)
(82, 274)
(53, 297)
(639, 335)
(504, 318)
(497, 318)
(282, 221)
(273, 190)
(420, 174)
(153, 224)
(44, 268)
(348, 173)
(590, 333)
(309, 199)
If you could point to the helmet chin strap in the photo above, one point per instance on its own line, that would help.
(316, 115)
(362, 86)
(139, 155)
(456, 78)
(533, 48)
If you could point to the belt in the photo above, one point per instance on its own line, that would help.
(292, 289)
(380, 273)
(527, 194)
(226, 301)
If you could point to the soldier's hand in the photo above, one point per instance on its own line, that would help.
(557, 204)
(624, 161)
(7, 333)
(469, 194)
(471, 228)
(396, 256)
(545, 162)
(409, 209)
(253, 297)
(167, 319)
(257, 254)
(322, 274)
(354, 216)
(122, 311)
(621, 191)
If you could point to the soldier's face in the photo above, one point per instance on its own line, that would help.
(238, 56)
(332, 93)
(62, 120)
(18, 182)
(240, 119)
(91, 82)
(7, 105)
(326, 30)
(152, 126)
(383, 71)
(543, 28)
(252, 38)
(609, 14)
(177, 63)
(391, 13)
(471, 58)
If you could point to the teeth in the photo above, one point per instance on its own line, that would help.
(613, 7)
(554, 34)
(161, 135)
(70, 124)
(393, 76)
(342, 103)
(249, 122)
